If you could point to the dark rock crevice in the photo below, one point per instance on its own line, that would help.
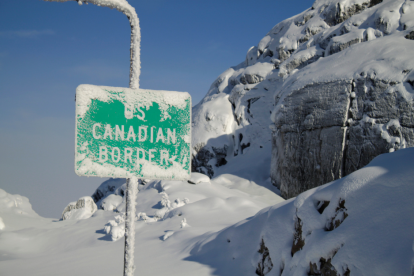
(340, 215)
(298, 241)
(410, 35)
(321, 206)
(265, 265)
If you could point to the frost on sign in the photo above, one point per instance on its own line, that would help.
(122, 132)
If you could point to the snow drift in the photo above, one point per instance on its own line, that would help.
(171, 216)
(358, 225)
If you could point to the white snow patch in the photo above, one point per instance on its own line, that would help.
(2, 225)
(198, 177)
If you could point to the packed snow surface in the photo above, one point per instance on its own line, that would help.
(228, 226)
(171, 217)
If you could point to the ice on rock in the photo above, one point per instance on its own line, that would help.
(84, 208)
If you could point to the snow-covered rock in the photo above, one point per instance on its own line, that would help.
(84, 208)
(115, 186)
(110, 195)
(339, 82)
(197, 178)
(111, 202)
(335, 115)
(230, 125)
(358, 225)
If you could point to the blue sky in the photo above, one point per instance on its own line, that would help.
(48, 49)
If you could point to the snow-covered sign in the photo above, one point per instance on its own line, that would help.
(123, 132)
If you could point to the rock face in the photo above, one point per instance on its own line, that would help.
(339, 80)
(230, 125)
(335, 115)
(327, 130)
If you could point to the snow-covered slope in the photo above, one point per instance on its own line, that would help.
(338, 79)
(335, 83)
(361, 224)
(172, 215)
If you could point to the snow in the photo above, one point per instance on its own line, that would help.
(134, 100)
(300, 71)
(111, 202)
(129, 230)
(216, 228)
(2, 224)
(227, 219)
(86, 92)
(333, 41)
(84, 208)
(198, 177)
(374, 237)
(95, 245)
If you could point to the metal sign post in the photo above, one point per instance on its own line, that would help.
(133, 132)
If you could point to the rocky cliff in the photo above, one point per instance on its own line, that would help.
(338, 81)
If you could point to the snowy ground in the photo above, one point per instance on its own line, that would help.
(362, 223)
(32, 245)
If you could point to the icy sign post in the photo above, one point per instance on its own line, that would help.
(123, 132)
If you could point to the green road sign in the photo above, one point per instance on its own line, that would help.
(123, 132)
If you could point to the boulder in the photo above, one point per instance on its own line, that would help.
(84, 208)
(116, 186)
